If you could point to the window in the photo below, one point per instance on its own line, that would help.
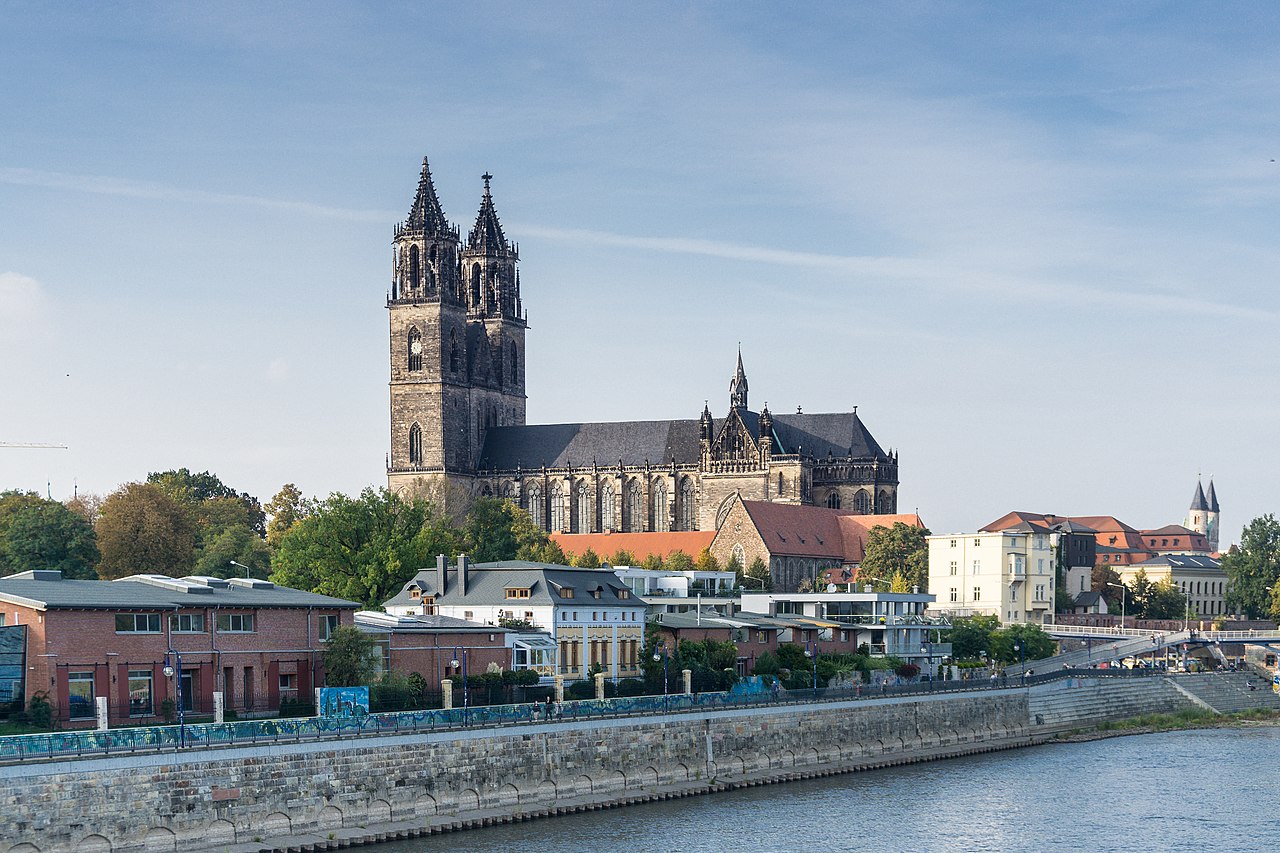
(954, 594)
(687, 516)
(661, 509)
(954, 567)
(566, 592)
(1040, 592)
(328, 624)
(584, 508)
(80, 694)
(288, 681)
(977, 593)
(517, 592)
(187, 623)
(140, 695)
(414, 268)
(953, 543)
(415, 349)
(862, 502)
(453, 351)
(977, 543)
(533, 503)
(235, 623)
(608, 512)
(415, 445)
(515, 364)
(137, 623)
(977, 567)
(557, 508)
(633, 508)
(415, 593)
(833, 500)
(624, 593)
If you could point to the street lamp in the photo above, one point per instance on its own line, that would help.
(811, 651)
(243, 566)
(927, 650)
(660, 654)
(466, 694)
(169, 672)
(1124, 597)
(1022, 660)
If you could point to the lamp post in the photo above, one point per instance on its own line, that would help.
(1022, 661)
(927, 650)
(169, 672)
(466, 694)
(660, 654)
(811, 651)
(243, 566)
(1124, 598)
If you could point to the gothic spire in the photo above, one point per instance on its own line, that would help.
(1198, 501)
(426, 215)
(486, 236)
(1213, 499)
(738, 385)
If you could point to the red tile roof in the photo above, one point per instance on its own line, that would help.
(792, 530)
(641, 545)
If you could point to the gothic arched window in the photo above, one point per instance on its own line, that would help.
(862, 502)
(608, 519)
(415, 444)
(884, 504)
(475, 285)
(414, 269)
(557, 507)
(515, 364)
(661, 508)
(584, 509)
(740, 554)
(833, 500)
(415, 349)
(688, 518)
(453, 351)
(782, 485)
(533, 503)
(633, 508)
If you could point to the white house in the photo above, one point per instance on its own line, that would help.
(1008, 573)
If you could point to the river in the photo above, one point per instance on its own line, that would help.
(1215, 789)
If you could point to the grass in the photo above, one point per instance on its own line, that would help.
(1191, 718)
(11, 728)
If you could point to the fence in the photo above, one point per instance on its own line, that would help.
(19, 748)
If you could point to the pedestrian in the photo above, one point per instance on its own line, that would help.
(549, 707)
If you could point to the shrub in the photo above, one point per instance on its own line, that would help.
(907, 670)
(581, 689)
(40, 710)
(631, 687)
(766, 664)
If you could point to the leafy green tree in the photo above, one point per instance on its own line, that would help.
(286, 509)
(548, 552)
(706, 561)
(1063, 600)
(1253, 567)
(36, 533)
(738, 571)
(1101, 578)
(143, 530)
(588, 559)
(759, 570)
(364, 548)
(898, 550)
(238, 543)
(766, 664)
(678, 561)
(350, 658)
(496, 529)
(622, 557)
(971, 635)
(1164, 601)
(653, 561)
(197, 489)
(1036, 644)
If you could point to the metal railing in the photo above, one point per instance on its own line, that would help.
(88, 744)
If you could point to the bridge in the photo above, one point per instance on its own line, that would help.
(1116, 643)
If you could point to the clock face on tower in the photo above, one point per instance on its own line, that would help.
(416, 347)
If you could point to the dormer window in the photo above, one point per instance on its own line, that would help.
(624, 593)
(595, 593)
(415, 593)
(517, 592)
(566, 592)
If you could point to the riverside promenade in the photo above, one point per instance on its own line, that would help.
(314, 793)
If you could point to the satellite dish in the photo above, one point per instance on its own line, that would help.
(831, 587)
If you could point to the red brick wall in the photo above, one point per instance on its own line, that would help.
(430, 654)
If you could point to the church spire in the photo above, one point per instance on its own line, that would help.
(738, 385)
(1213, 499)
(1198, 501)
(426, 215)
(486, 236)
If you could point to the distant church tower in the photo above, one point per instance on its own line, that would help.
(1204, 515)
(456, 345)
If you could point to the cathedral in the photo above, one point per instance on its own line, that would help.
(458, 431)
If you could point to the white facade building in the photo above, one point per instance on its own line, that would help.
(1008, 574)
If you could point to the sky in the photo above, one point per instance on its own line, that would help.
(1035, 244)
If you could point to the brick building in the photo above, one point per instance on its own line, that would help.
(428, 645)
(458, 359)
(256, 643)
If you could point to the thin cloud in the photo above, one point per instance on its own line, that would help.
(124, 187)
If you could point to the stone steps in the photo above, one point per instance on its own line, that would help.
(1228, 692)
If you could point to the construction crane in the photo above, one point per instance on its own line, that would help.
(32, 445)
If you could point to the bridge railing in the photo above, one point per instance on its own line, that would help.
(86, 743)
(1092, 631)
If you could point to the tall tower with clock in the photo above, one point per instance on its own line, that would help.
(457, 332)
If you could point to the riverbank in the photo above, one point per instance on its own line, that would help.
(1192, 718)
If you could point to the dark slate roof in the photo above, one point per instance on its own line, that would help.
(1198, 501)
(1180, 561)
(47, 590)
(487, 584)
(657, 442)
(1089, 598)
(376, 623)
(1213, 498)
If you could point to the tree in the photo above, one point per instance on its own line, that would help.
(1035, 643)
(678, 561)
(1101, 579)
(364, 548)
(202, 488)
(622, 557)
(971, 635)
(707, 562)
(900, 550)
(143, 530)
(1164, 601)
(237, 543)
(759, 570)
(350, 658)
(1254, 566)
(36, 533)
(653, 561)
(87, 506)
(286, 509)
(588, 559)
(496, 529)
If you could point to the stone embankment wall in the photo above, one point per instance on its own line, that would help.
(337, 792)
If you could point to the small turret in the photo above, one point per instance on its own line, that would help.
(738, 386)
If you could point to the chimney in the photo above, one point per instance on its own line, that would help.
(463, 563)
(442, 574)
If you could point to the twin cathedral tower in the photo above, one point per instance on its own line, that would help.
(458, 431)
